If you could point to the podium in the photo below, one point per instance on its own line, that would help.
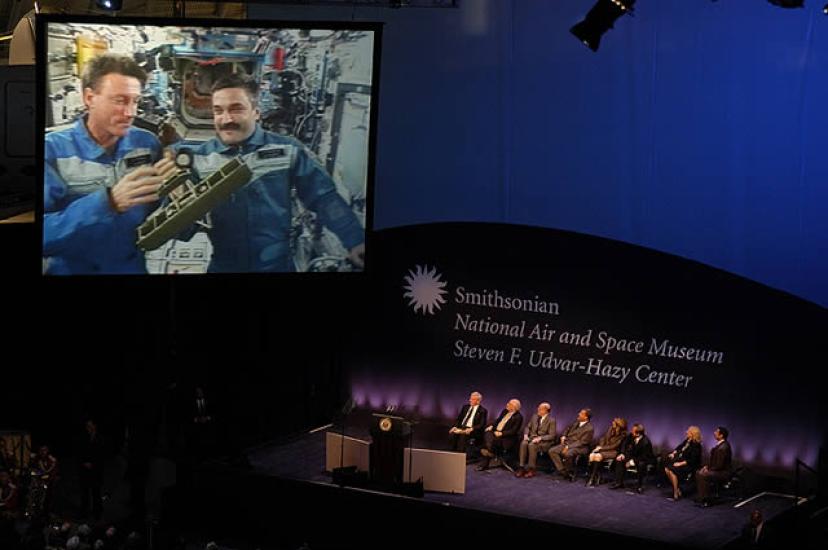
(390, 435)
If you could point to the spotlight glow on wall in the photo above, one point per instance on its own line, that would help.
(111, 5)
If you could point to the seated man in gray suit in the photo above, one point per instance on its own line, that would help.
(576, 440)
(538, 436)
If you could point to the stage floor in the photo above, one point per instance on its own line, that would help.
(548, 498)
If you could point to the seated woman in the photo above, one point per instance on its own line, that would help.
(685, 458)
(607, 449)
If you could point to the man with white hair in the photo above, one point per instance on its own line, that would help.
(502, 434)
(538, 437)
(469, 424)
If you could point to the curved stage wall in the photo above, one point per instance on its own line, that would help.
(582, 321)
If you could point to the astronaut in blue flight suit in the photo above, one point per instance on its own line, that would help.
(101, 176)
(250, 231)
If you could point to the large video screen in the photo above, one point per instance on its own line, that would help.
(177, 146)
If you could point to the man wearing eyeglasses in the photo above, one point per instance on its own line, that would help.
(101, 176)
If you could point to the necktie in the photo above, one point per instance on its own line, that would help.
(467, 417)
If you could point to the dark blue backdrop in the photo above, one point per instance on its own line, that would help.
(698, 129)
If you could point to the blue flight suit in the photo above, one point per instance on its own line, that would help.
(82, 233)
(250, 231)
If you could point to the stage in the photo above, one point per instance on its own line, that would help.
(547, 498)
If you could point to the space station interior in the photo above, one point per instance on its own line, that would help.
(315, 86)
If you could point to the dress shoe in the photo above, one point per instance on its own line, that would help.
(483, 467)
(639, 490)
(529, 473)
(570, 476)
(617, 486)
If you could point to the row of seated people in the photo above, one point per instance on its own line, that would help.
(623, 450)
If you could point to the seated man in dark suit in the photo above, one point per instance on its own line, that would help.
(469, 424)
(719, 468)
(756, 534)
(502, 433)
(575, 441)
(636, 452)
(538, 436)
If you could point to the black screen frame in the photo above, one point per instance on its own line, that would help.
(41, 24)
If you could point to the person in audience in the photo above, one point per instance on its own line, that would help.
(201, 412)
(685, 458)
(502, 433)
(60, 532)
(44, 470)
(8, 495)
(635, 452)
(134, 541)
(606, 449)
(756, 534)
(84, 533)
(8, 461)
(91, 458)
(718, 469)
(538, 436)
(44, 464)
(469, 424)
(111, 538)
(575, 441)
(203, 429)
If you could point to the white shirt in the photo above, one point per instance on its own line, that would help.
(502, 423)
(472, 411)
(581, 424)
